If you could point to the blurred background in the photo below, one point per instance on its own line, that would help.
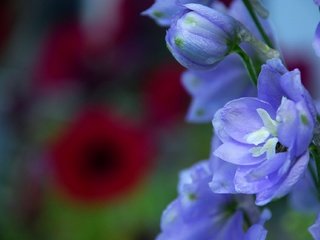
(92, 129)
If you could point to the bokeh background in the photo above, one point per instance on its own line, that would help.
(92, 129)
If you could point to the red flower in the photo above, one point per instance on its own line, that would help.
(60, 57)
(100, 156)
(165, 99)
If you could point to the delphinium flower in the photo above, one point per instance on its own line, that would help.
(211, 89)
(198, 213)
(202, 37)
(267, 138)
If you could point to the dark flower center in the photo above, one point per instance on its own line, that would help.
(280, 148)
(100, 160)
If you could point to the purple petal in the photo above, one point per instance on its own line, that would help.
(237, 153)
(211, 89)
(269, 88)
(285, 186)
(296, 126)
(244, 185)
(232, 229)
(256, 232)
(163, 11)
(228, 24)
(315, 229)
(223, 174)
(316, 41)
(239, 117)
(267, 167)
(288, 117)
(304, 196)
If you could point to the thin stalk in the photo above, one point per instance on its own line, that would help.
(248, 64)
(315, 153)
(255, 19)
(313, 175)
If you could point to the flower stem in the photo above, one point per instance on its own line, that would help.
(255, 19)
(248, 64)
(315, 153)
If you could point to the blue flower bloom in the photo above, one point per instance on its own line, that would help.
(267, 138)
(202, 37)
(210, 90)
(315, 229)
(200, 214)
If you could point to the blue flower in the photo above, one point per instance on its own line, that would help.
(201, 37)
(200, 214)
(210, 90)
(266, 138)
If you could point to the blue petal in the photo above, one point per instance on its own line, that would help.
(211, 89)
(239, 118)
(223, 175)
(256, 232)
(232, 229)
(304, 196)
(315, 229)
(269, 88)
(163, 11)
(316, 40)
(283, 187)
(245, 185)
(237, 153)
(288, 117)
(227, 23)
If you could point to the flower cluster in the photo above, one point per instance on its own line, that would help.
(264, 133)
(198, 213)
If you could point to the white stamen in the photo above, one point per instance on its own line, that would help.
(257, 137)
(270, 124)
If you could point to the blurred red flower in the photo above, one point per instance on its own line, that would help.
(100, 156)
(166, 101)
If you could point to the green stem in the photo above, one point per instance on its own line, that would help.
(248, 64)
(254, 17)
(315, 153)
(314, 177)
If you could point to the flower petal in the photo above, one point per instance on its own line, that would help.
(239, 117)
(237, 153)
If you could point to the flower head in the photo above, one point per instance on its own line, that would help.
(200, 214)
(99, 157)
(267, 138)
(202, 36)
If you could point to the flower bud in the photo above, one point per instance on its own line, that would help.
(202, 37)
